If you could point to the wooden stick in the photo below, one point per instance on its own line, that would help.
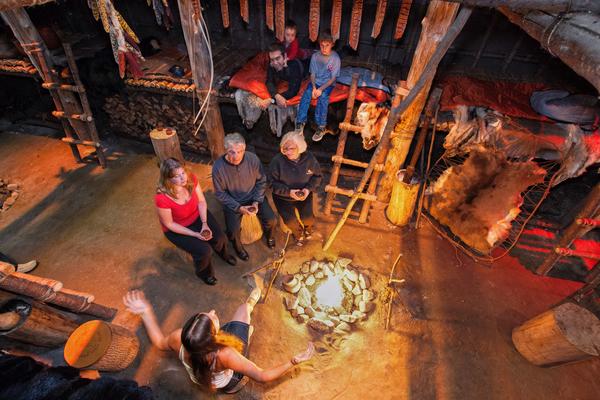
(279, 263)
(392, 292)
(545, 5)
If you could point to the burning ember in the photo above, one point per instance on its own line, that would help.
(329, 296)
(9, 192)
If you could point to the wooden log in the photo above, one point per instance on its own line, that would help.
(556, 6)
(8, 320)
(435, 39)
(199, 50)
(36, 288)
(567, 333)
(38, 325)
(166, 144)
(572, 37)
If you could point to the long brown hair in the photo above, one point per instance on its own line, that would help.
(167, 171)
(200, 338)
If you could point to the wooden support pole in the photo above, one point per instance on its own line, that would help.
(556, 6)
(335, 172)
(572, 37)
(590, 209)
(438, 28)
(199, 52)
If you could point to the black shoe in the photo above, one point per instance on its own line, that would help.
(229, 259)
(307, 233)
(211, 280)
(271, 243)
(241, 253)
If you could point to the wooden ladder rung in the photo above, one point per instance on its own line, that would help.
(58, 86)
(81, 117)
(81, 142)
(347, 161)
(350, 193)
(347, 126)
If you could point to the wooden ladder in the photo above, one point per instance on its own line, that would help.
(83, 132)
(338, 160)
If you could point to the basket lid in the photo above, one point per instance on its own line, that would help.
(87, 344)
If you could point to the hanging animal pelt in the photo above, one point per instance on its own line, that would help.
(162, 12)
(354, 35)
(379, 16)
(225, 13)
(314, 19)
(244, 11)
(123, 40)
(402, 19)
(269, 11)
(336, 19)
(279, 19)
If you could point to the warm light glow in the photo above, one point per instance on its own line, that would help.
(330, 293)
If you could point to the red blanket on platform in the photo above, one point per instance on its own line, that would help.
(252, 77)
(510, 98)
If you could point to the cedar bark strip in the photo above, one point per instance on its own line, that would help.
(402, 19)
(542, 5)
(336, 18)
(434, 40)
(279, 19)
(225, 13)
(354, 35)
(269, 15)
(379, 16)
(572, 37)
(314, 18)
(244, 11)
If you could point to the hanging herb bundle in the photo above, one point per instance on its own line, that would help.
(162, 12)
(122, 38)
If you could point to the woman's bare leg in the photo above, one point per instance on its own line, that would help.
(244, 311)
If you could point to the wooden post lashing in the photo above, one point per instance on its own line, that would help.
(335, 172)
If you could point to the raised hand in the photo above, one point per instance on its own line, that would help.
(136, 302)
(305, 355)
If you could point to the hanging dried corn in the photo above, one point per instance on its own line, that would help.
(279, 19)
(336, 19)
(162, 12)
(314, 19)
(225, 13)
(269, 11)
(402, 19)
(379, 16)
(354, 35)
(122, 38)
(245, 11)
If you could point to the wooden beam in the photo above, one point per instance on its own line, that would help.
(571, 37)
(556, 6)
(199, 51)
(590, 209)
(12, 4)
(437, 35)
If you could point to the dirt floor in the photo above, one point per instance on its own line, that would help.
(450, 335)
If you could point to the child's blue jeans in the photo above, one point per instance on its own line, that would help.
(320, 111)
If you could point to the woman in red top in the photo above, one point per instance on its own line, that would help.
(186, 221)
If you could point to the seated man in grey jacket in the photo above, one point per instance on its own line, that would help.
(240, 183)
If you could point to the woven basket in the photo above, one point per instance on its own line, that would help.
(102, 346)
(251, 229)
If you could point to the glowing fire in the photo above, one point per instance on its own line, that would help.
(330, 293)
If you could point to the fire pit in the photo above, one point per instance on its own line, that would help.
(329, 296)
(9, 192)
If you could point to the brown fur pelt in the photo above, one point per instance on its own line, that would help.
(336, 18)
(372, 117)
(479, 199)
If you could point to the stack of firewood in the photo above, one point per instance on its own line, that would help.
(136, 114)
(9, 192)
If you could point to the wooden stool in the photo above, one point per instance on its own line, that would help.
(102, 346)
(566, 333)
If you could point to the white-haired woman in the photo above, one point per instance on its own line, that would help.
(295, 174)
